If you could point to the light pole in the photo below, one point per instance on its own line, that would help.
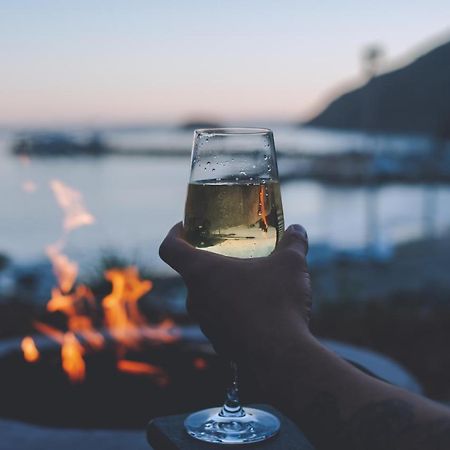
(371, 60)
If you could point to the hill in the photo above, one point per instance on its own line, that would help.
(414, 98)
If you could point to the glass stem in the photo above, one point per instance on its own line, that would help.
(232, 406)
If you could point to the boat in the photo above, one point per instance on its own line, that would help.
(57, 144)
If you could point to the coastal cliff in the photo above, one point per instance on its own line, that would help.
(414, 98)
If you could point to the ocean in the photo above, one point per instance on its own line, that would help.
(136, 199)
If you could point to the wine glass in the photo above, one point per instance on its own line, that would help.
(233, 207)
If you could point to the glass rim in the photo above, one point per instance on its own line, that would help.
(233, 131)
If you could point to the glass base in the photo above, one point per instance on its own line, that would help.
(253, 425)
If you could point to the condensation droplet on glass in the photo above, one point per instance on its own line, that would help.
(265, 157)
(243, 173)
(237, 179)
(253, 167)
(213, 169)
(208, 162)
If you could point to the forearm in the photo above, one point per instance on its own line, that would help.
(338, 406)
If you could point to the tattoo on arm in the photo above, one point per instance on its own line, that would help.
(385, 425)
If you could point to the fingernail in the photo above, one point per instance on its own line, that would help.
(300, 229)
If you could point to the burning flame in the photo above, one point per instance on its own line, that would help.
(71, 202)
(29, 349)
(49, 331)
(121, 316)
(72, 305)
(200, 363)
(262, 205)
(120, 307)
(138, 367)
(72, 358)
(72, 351)
(65, 270)
(142, 368)
(75, 216)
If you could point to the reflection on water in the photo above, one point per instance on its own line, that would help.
(136, 200)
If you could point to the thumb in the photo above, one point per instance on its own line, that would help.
(295, 239)
(178, 253)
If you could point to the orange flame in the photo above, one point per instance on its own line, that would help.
(120, 306)
(200, 363)
(65, 270)
(262, 205)
(49, 331)
(29, 349)
(72, 353)
(71, 306)
(142, 368)
(71, 201)
(138, 367)
(121, 316)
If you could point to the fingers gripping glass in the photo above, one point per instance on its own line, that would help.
(233, 207)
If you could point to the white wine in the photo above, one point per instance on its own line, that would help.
(238, 219)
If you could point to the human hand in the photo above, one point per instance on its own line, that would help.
(243, 305)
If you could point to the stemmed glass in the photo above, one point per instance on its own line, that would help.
(234, 208)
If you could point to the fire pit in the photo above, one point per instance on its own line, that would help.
(109, 353)
(157, 380)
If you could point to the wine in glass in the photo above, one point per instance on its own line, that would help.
(233, 208)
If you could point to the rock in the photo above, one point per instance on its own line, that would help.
(18, 435)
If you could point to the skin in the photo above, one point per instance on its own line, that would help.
(336, 405)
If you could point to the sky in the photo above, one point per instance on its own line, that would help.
(108, 61)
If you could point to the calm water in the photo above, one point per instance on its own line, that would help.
(135, 201)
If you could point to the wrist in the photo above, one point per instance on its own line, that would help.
(278, 345)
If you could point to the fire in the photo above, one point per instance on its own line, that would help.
(262, 204)
(122, 318)
(120, 307)
(29, 349)
(49, 331)
(72, 305)
(125, 365)
(142, 368)
(65, 270)
(165, 331)
(200, 363)
(72, 353)
(71, 202)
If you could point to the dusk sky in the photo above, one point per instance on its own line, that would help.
(102, 61)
